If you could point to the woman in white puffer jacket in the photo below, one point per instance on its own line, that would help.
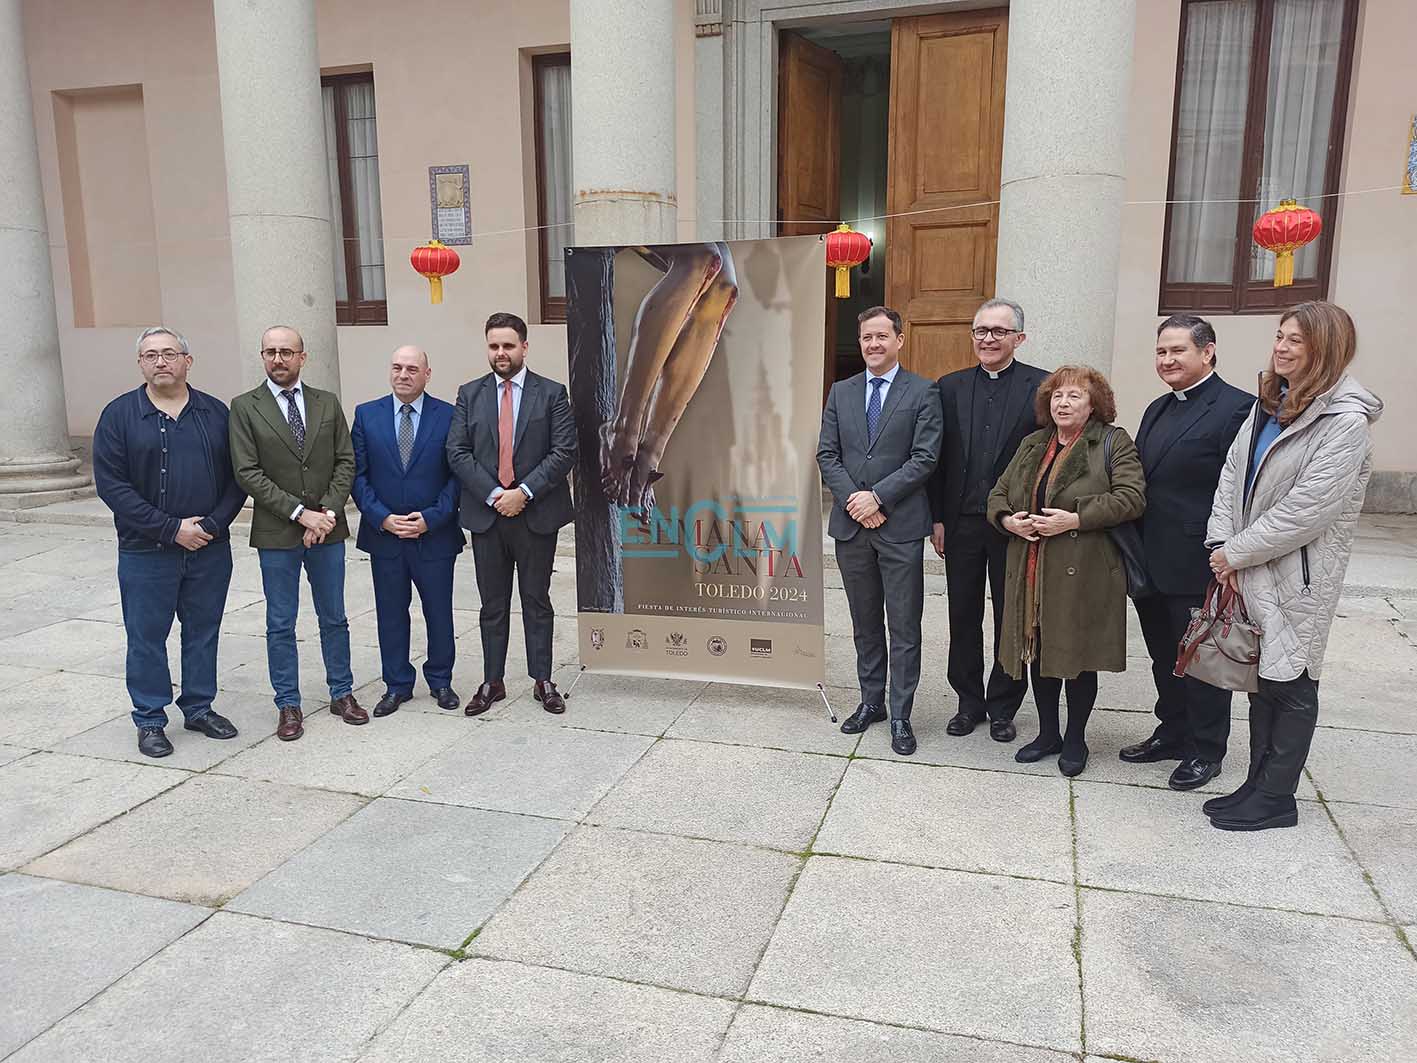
(1281, 529)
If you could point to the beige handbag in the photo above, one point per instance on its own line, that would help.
(1222, 644)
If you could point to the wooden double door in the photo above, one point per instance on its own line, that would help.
(945, 142)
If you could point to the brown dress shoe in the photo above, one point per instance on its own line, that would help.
(291, 726)
(349, 710)
(551, 700)
(486, 694)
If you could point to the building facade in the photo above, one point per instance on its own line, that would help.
(219, 166)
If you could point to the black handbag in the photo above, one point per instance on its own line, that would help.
(1127, 538)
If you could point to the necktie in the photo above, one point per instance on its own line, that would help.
(292, 414)
(873, 409)
(505, 425)
(405, 433)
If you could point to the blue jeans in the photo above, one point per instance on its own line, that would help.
(156, 586)
(280, 576)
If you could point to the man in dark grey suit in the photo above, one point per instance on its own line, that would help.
(881, 433)
(512, 443)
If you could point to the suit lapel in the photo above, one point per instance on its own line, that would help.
(387, 433)
(314, 409)
(269, 409)
(531, 393)
(1182, 425)
(425, 428)
(857, 393)
(893, 399)
(488, 410)
(1018, 399)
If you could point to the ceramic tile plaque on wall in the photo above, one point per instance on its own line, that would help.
(450, 201)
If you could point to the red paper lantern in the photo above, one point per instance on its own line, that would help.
(435, 261)
(1284, 230)
(846, 248)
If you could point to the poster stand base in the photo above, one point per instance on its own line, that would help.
(822, 691)
(574, 681)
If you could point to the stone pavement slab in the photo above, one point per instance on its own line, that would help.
(1156, 841)
(44, 711)
(778, 719)
(64, 943)
(9, 754)
(981, 955)
(547, 1016)
(13, 675)
(515, 767)
(69, 644)
(48, 798)
(632, 704)
(949, 817)
(1364, 766)
(1385, 840)
(725, 793)
(670, 911)
(407, 870)
(117, 739)
(203, 842)
(333, 755)
(1178, 980)
(254, 675)
(775, 1035)
(268, 991)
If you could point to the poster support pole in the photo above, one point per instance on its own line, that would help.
(822, 691)
(576, 680)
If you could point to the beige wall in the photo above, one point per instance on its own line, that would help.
(451, 86)
(1375, 256)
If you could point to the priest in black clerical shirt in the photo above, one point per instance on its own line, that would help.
(988, 410)
(1183, 439)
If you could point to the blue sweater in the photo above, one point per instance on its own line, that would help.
(153, 471)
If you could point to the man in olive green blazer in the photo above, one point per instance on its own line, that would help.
(292, 454)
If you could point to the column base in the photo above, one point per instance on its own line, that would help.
(24, 485)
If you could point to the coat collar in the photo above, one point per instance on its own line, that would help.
(1077, 461)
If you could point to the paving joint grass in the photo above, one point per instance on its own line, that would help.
(1077, 916)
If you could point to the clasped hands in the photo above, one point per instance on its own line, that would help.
(864, 508)
(1033, 526)
(191, 535)
(317, 523)
(405, 526)
(1225, 574)
(510, 502)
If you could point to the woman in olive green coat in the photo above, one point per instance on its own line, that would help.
(1065, 589)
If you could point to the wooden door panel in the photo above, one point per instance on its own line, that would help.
(808, 138)
(947, 134)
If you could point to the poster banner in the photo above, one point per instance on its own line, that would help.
(696, 382)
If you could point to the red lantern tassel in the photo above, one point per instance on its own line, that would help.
(843, 282)
(1283, 268)
(435, 290)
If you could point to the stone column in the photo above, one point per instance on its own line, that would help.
(35, 454)
(622, 121)
(1064, 167)
(708, 120)
(277, 184)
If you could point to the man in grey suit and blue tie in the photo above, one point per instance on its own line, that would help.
(881, 435)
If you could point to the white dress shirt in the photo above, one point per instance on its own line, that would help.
(888, 377)
(284, 404)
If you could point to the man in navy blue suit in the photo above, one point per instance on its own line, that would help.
(408, 502)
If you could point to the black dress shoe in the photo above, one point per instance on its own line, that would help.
(1193, 773)
(1039, 748)
(902, 738)
(446, 697)
(213, 725)
(1071, 761)
(1150, 751)
(1258, 811)
(390, 702)
(864, 716)
(152, 742)
(961, 724)
(1217, 805)
(1002, 730)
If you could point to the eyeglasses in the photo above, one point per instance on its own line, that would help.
(281, 354)
(152, 357)
(998, 332)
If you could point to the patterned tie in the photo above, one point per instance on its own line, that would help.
(505, 426)
(292, 414)
(873, 409)
(405, 433)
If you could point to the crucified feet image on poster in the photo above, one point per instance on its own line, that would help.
(695, 377)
